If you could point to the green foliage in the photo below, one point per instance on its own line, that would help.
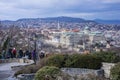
(47, 73)
(55, 60)
(83, 61)
(74, 61)
(115, 72)
(90, 61)
(110, 57)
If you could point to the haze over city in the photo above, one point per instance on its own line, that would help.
(87, 9)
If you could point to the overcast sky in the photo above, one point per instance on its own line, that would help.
(87, 9)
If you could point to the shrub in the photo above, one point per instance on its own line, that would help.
(83, 61)
(110, 57)
(59, 60)
(115, 72)
(55, 60)
(74, 61)
(47, 73)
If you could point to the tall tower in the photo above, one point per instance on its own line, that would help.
(58, 26)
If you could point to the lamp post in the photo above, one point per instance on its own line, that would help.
(35, 40)
(35, 45)
(28, 38)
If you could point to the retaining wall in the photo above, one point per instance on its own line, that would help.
(22, 60)
(8, 60)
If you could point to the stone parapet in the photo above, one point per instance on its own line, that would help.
(8, 60)
(107, 67)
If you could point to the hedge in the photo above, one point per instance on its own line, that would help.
(74, 61)
(109, 57)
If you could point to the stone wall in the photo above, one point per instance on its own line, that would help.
(22, 60)
(8, 60)
(79, 73)
(71, 73)
(26, 77)
(106, 67)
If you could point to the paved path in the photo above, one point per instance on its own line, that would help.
(6, 72)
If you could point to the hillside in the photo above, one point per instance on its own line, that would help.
(65, 22)
(107, 21)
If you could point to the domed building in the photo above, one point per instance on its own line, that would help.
(86, 30)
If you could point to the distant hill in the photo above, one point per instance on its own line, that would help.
(66, 22)
(37, 21)
(107, 21)
(60, 19)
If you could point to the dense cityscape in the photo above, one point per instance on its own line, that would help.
(30, 43)
(59, 40)
(84, 36)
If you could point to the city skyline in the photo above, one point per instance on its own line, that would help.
(87, 9)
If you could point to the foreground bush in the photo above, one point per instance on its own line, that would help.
(55, 60)
(47, 73)
(74, 61)
(83, 61)
(110, 57)
(115, 72)
(90, 61)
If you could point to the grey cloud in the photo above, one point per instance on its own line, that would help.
(46, 8)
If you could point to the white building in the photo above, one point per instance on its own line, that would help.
(97, 37)
(75, 39)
